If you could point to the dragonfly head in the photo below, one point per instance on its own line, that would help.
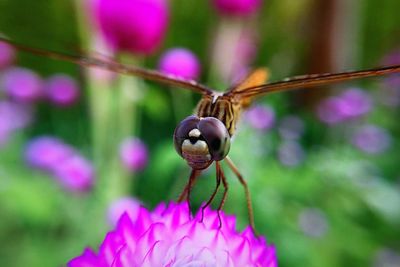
(200, 141)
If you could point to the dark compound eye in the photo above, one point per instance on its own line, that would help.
(182, 131)
(216, 136)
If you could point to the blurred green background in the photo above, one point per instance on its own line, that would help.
(338, 206)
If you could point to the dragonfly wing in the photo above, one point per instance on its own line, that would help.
(256, 78)
(117, 67)
(308, 81)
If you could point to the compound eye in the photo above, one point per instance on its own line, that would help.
(182, 131)
(216, 136)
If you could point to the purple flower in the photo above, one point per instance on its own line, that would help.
(120, 206)
(46, 153)
(329, 110)
(13, 116)
(356, 102)
(133, 154)
(291, 127)
(371, 139)
(22, 85)
(261, 117)
(351, 104)
(62, 90)
(7, 55)
(237, 7)
(290, 153)
(75, 174)
(180, 62)
(137, 26)
(169, 237)
(313, 222)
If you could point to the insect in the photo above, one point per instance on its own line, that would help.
(205, 137)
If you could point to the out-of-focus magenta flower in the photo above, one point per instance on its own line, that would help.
(120, 206)
(371, 139)
(46, 152)
(7, 55)
(261, 117)
(51, 155)
(351, 104)
(329, 110)
(136, 26)
(75, 173)
(291, 127)
(237, 7)
(356, 102)
(291, 153)
(62, 90)
(13, 116)
(133, 154)
(169, 237)
(180, 62)
(22, 85)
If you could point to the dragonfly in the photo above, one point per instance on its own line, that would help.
(205, 137)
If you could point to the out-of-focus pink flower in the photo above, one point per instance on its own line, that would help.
(67, 166)
(13, 116)
(7, 55)
(237, 7)
(329, 110)
(46, 152)
(75, 174)
(180, 62)
(371, 139)
(261, 117)
(136, 26)
(62, 90)
(169, 237)
(22, 85)
(351, 104)
(356, 102)
(123, 205)
(291, 127)
(291, 153)
(133, 154)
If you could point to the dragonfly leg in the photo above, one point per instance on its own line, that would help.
(247, 192)
(225, 183)
(218, 179)
(188, 188)
(183, 195)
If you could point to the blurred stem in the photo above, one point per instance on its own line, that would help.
(224, 47)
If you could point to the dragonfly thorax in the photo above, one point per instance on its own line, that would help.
(200, 141)
(224, 108)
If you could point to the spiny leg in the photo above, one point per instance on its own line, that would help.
(183, 195)
(188, 188)
(247, 192)
(225, 183)
(218, 179)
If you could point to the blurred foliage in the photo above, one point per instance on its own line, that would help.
(358, 194)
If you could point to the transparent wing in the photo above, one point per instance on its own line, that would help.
(117, 67)
(313, 80)
(255, 78)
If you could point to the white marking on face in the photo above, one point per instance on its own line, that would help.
(195, 133)
(199, 148)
